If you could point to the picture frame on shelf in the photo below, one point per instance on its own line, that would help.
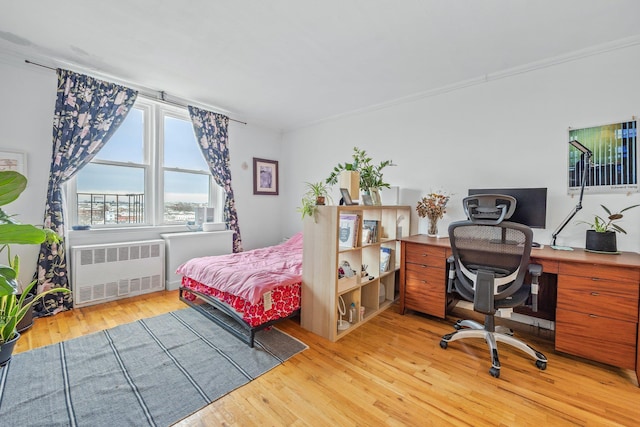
(346, 197)
(13, 161)
(375, 197)
(265, 177)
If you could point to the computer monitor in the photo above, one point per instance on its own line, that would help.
(531, 204)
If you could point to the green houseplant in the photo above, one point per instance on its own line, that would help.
(13, 308)
(602, 235)
(317, 193)
(370, 173)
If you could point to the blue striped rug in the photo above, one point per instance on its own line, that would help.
(152, 372)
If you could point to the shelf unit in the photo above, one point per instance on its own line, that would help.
(321, 287)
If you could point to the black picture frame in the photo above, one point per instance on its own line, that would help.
(265, 177)
(346, 197)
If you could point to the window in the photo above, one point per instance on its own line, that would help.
(150, 172)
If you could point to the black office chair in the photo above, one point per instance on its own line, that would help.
(489, 265)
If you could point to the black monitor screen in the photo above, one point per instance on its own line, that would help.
(531, 204)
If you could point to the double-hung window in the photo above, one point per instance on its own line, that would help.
(151, 172)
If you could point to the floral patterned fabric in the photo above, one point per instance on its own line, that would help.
(212, 135)
(88, 111)
(285, 300)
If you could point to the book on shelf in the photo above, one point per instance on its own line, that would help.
(370, 231)
(348, 230)
(385, 259)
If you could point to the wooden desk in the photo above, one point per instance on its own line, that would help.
(596, 311)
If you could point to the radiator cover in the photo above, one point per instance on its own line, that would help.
(108, 272)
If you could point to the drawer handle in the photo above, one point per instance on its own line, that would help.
(595, 294)
(593, 316)
(423, 254)
(595, 279)
(423, 266)
(424, 282)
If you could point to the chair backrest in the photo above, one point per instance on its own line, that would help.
(501, 251)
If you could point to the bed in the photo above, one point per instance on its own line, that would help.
(256, 288)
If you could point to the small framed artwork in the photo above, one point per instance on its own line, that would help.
(265, 176)
(13, 161)
(375, 197)
(346, 197)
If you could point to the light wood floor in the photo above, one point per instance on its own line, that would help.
(392, 371)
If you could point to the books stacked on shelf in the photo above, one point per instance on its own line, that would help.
(348, 230)
(385, 259)
(370, 230)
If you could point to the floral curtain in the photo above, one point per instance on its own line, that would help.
(211, 133)
(88, 111)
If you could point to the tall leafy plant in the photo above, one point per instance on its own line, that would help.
(12, 307)
(370, 173)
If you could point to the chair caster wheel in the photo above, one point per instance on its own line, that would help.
(495, 373)
(443, 344)
(541, 365)
(457, 325)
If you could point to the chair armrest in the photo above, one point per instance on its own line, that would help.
(452, 273)
(536, 271)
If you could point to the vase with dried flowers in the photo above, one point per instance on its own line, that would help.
(432, 207)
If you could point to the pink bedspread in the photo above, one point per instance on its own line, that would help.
(252, 273)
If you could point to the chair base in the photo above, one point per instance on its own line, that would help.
(473, 329)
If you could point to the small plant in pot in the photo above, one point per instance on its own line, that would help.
(13, 308)
(317, 193)
(602, 236)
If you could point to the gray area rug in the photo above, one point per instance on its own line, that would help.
(154, 372)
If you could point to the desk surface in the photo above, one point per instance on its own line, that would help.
(623, 259)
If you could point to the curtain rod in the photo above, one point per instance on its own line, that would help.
(160, 93)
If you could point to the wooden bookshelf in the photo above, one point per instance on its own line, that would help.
(321, 287)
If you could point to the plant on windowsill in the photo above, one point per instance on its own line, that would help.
(13, 308)
(317, 193)
(602, 235)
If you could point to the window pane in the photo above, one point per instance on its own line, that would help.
(181, 149)
(110, 195)
(183, 192)
(126, 144)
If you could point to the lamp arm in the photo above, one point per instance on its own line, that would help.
(586, 160)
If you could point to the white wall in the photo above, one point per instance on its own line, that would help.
(509, 132)
(27, 102)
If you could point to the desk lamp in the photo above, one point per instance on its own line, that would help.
(585, 157)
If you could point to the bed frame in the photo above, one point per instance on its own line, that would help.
(249, 336)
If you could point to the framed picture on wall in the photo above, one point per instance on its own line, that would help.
(265, 176)
(13, 161)
(613, 166)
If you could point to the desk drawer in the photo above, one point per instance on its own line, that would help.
(426, 255)
(598, 271)
(617, 300)
(424, 291)
(596, 338)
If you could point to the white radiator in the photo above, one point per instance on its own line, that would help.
(107, 272)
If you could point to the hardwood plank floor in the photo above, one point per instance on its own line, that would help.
(392, 371)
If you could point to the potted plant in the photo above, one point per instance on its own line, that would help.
(13, 308)
(317, 193)
(370, 174)
(602, 235)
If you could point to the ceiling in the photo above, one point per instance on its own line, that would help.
(289, 63)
